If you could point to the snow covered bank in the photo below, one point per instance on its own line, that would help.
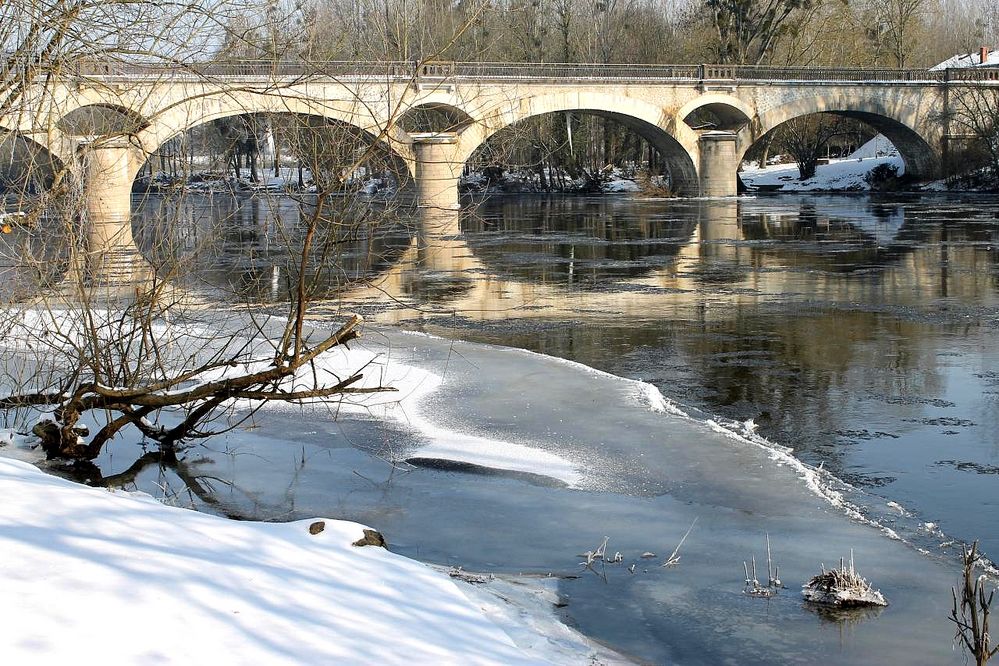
(839, 175)
(495, 180)
(93, 576)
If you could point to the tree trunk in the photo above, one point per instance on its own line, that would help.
(62, 439)
(806, 167)
(768, 141)
(251, 154)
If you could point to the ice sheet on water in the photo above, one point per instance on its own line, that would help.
(647, 470)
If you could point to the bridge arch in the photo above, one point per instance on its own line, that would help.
(728, 113)
(192, 113)
(23, 151)
(677, 145)
(101, 119)
(896, 116)
(434, 117)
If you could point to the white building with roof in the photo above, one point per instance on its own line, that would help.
(984, 58)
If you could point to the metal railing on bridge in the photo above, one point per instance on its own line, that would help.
(406, 71)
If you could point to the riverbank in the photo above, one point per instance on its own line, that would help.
(836, 175)
(119, 577)
(643, 473)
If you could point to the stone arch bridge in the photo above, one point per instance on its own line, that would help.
(664, 104)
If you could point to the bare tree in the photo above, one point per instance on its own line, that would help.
(892, 26)
(971, 610)
(976, 114)
(148, 357)
(806, 139)
(747, 31)
(134, 350)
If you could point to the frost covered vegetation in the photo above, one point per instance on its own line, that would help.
(972, 609)
(169, 381)
(842, 587)
(752, 585)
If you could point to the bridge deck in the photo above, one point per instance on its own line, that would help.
(478, 71)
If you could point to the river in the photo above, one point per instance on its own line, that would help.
(854, 334)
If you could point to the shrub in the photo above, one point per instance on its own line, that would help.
(884, 177)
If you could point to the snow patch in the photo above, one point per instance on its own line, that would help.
(843, 174)
(963, 60)
(615, 186)
(114, 577)
(406, 405)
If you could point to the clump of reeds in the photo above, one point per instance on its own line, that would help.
(593, 558)
(842, 587)
(653, 186)
(753, 587)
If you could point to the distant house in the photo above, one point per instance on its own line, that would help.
(984, 58)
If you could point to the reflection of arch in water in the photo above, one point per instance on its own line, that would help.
(248, 247)
(574, 241)
(35, 249)
(833, 234)
(33, 257)
(27, 166)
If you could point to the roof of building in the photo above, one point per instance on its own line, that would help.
(968, 60)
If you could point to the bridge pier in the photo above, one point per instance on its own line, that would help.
(437, 170)
(719, 164)
(107, 181)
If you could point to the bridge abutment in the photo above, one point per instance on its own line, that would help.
(437, 170)
(719, 163)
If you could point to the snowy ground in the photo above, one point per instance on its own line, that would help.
(620, 185)
(94, 576)
(617, 181)
(842, 174)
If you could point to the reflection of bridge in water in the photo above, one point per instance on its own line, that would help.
(733, 255)
(142, 106)
(560, 257)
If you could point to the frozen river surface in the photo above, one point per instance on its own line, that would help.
(820, 369)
